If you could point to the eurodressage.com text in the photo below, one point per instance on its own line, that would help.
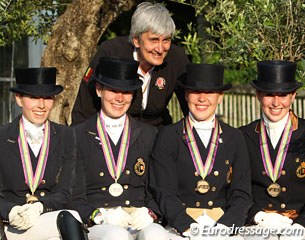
(244, 231)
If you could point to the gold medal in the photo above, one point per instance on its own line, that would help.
(202, 186)
(139, 167)
(31, 199)
(301, 170)
(115, 189)
(274, 189)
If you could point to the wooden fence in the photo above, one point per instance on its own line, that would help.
(239, 106)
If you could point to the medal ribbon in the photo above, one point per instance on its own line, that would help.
(275, 172)
(30, 180)
(205, 169)
(115, 169)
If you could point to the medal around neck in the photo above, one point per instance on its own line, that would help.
(115, 189)
(31, 199)
(274, 190)
(202, 186)
(115, 168)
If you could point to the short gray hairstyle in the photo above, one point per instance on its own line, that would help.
(151, 17)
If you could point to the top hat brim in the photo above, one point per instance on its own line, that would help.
(117, 84)
(37, 91)
(276, 87)
(200, 86)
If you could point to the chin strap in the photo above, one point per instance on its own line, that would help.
(2, 233)
(70, 228)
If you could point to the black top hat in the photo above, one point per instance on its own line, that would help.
(38, 82)
(118, 73)
(204, 77)
(276, 76)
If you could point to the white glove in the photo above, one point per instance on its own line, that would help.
(196, 232)
(30, 213)
(116, 216)
(15, 220)
(206, 220)
(294, 232)
(140, 219)
(272, 220)
(221, 232)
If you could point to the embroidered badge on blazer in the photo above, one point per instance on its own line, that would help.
(139, 167)
(301, 170)
(160, 83)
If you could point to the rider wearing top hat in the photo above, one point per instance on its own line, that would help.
(277, 163)
(37, 160)
(111, 192)
(200, 165)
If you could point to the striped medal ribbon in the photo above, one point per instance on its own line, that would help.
(114, 168)
(33, 180)
(274, 172)
(203, 169)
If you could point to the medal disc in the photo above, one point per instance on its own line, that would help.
(274, 189)
(31, 199)
(115, 189)
(202, 186)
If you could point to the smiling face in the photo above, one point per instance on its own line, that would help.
(275, 105)
(153, 48)
(202, 104)
(114, 103)
(35, 109)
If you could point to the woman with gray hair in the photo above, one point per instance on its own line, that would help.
(161, 63)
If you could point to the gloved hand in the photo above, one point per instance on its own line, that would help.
(30, 214)
(15, 220)
(272, 220)
(196, 232)
(98, 216)
(116, 216)
(221, 232)
(140, 219)
(206, 220)
(294, 232)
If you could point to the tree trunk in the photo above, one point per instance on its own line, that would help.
(73, 44)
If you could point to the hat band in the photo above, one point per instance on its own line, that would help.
(278, 86)
(36, 88)
(118, 83)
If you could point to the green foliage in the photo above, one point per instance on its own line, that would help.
(21, 18)
(238, 33)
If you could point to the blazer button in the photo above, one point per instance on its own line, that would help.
(27, 195)
(101, 174)
(104, 188)
(283, 205)
(227, 162)
(284, 189)
(263, 173)
(197, 204)
(42, 194)
(216, 173)
(127, 172)
(210, 203)
(43, 181)
(196, 174)
(127, 202)
(125, 187)
(283, 172)
(270, 205)
(213, 189)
